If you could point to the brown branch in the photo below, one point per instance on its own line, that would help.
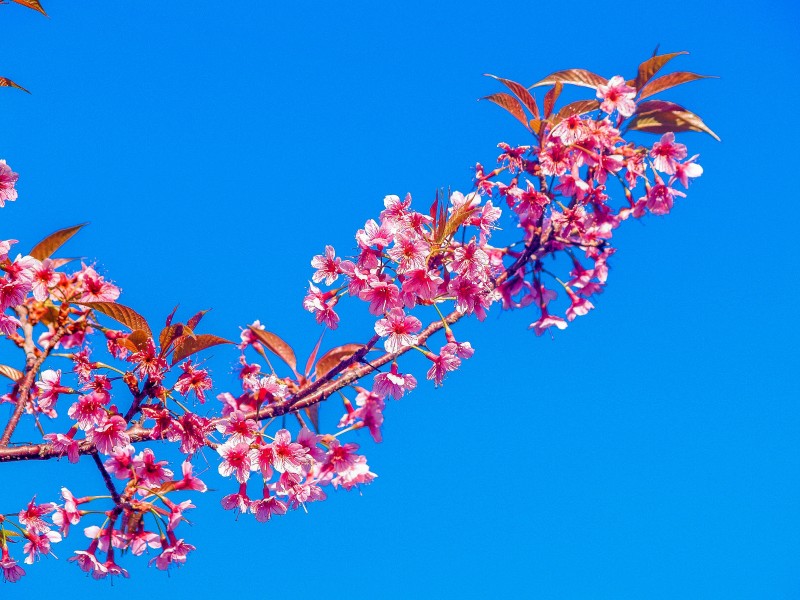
(306, 397)
(32, 365)
(106, 478)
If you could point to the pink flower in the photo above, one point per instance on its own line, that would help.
(64, 444)
(382, 296)
(194, 380)
(150, 473)
(8, 180)
(666, 153)
(189, 481)
(546, 321)
(8, 324)
(266, 507)
(95, 288)
(617, 95)
(31, 516)
(288, 455)
(239, 428)
(327, 266)
(685, 170)
(238, 459)
(109, 434)
(660, 198)
(49, 388)
(12, 572)
(39, 544)
(399, 330)
(443, 363)
(393, 383)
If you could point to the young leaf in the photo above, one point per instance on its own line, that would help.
(651, 66)
(661, 117)
(580, 77)
(54, 241)
(6, 82)
(192, 323)
(11, 373)
(313, 356)
(666, 82)
(521, 92)
(191, 344)
(278, 346)
(334, 356)
(550, 98)
(171, 316)
(169, 334)
(511, 104)
(136, 340)
(313, 414)
(34, 4)
(121, 313)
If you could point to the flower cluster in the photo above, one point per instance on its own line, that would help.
(419, 274)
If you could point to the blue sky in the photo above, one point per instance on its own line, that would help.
(649, 451)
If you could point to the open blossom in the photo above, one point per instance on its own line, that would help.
(394, 383)
(327, 266)
(547, 320)
(666, 153)
(193, 380)
(238, 459)
(617, 95)
(95, 287)
(443, 363)
(287, 455)
(109, 434)
(399, 329)
(12, 572)
(8, 180)
(32, 516)
(149, 472)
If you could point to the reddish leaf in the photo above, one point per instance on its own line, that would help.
(54, 241)
(576, 108)
(137, 340)
(171, 316)
(580, 77)
(550, 98)
(651, 66)
(536, 126)
(6, 82)
(170, 333)
(11, 373)
(511, 104)
(121, 313)
(278, 346)
(668, 81)
(665, 117)
(521, 92)
(313, 414)
(334, 356)
(191, 344)
(192, 323)
(313, 357)
(34, 4)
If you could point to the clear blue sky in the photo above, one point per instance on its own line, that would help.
(649, 451)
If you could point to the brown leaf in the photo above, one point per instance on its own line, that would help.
(192, 344)
(121, 313)
(11, 373)
(666, 82)
(580, 77)
(277, 345)
(313, 356)
(169, 334)
(54, 241)
(511, 104)
(651, 66)
(136, 340)
(313, 414)
(192, 323)
(670, 118)
(34, 4)
(536, 126)
(6, 82)
(334, 356)
(521, 92)
(550, 98)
